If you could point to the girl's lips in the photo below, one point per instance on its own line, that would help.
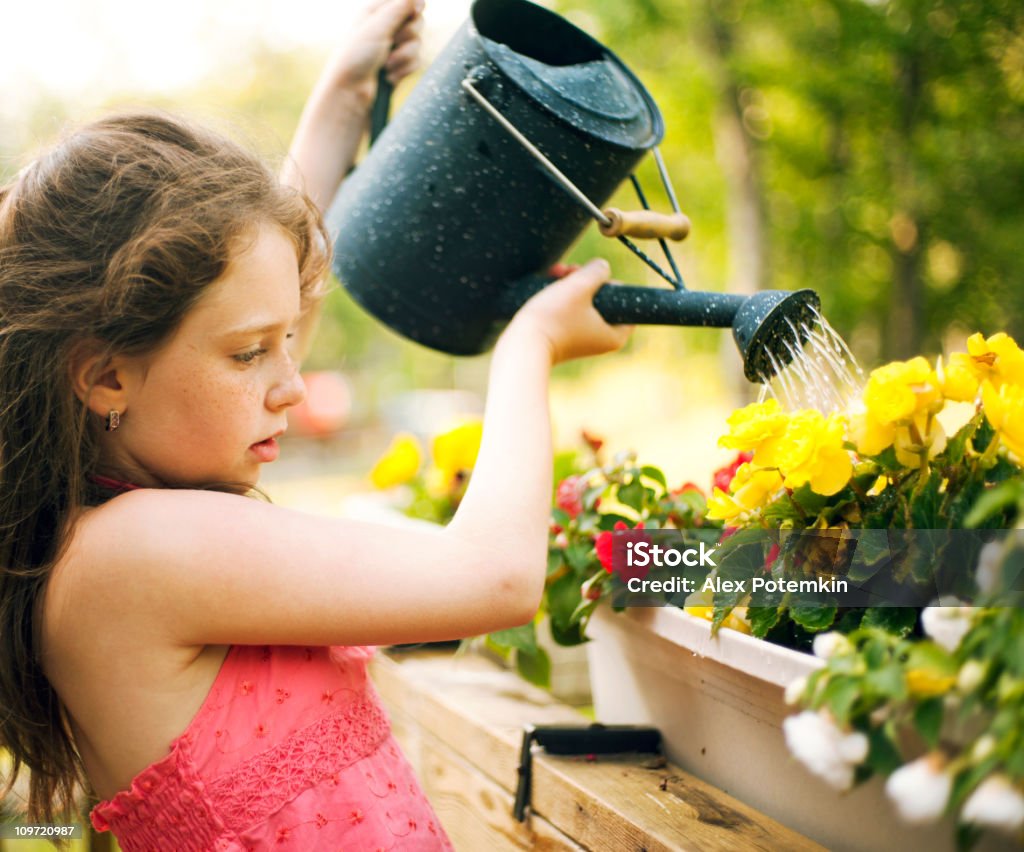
(265, 451)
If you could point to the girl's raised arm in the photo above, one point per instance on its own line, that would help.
(196, 568)
(385, 35)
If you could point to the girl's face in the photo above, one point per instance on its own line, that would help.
(207, 406)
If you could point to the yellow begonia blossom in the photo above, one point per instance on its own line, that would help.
(897, 391)
(399, 464)
(810, 451)
(751, 488)
(928, 683)
(998, 359)
(870, 436)
(752, 425)
(1004, 409)
(958, 377)
(456, 450)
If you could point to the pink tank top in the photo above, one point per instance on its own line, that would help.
(292, 750)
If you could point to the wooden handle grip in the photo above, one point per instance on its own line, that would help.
(645, 224)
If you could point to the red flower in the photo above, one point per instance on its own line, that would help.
(569, 497)
(723, 476)
(687, 486)
(773, 554)
(611, 549)
(603, 546)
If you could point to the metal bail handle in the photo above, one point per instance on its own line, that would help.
(613, 222)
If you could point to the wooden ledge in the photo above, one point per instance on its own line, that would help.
(460, 720)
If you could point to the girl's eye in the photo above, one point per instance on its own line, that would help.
(249, 357)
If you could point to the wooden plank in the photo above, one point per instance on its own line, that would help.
(477, 812)
(478, 711)
(634, 802)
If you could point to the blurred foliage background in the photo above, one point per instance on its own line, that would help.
(869, 150)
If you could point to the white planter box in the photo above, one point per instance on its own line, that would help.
(719, 705)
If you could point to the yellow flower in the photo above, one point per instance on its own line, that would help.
(897, 391)
(752, 488)
(456, 450)
(810, 451)
(736, 619)
(998, 359)
(400, 462)
(958, 377)
(1004, 409)
(928, 683)
(752, 425)
(869, 435)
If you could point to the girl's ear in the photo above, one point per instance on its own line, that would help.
(97, 379)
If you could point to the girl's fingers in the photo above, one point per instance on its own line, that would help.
(412, 29)
(560, 270)
(403, 60)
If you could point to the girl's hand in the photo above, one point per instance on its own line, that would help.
(564, 315)
(386, 34)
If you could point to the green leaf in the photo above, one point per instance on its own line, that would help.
(926, 504)
(563, 597)
(956, 447)
(883, 756)
(840, 695)
(993, 501)
(897, 620)
(632, 494)
(813, 618)
(928, 721)
(762, 619)
(655, 474)
(579, 555)
(810, 501)
(522, 638)
(534, 667)
(887, 682)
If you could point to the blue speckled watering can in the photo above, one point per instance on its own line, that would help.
(506, 149)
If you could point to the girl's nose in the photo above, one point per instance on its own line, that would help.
(290, 391)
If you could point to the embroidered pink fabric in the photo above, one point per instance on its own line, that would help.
(291, 749)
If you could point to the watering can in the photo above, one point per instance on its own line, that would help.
(512, 141)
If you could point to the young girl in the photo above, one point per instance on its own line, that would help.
(193, 657)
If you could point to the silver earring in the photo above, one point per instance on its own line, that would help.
(113, 420)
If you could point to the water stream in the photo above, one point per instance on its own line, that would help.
(822, 374)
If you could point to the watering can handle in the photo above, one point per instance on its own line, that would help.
(645, 224)
(381, 105)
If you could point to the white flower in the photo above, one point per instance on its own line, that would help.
(947, 625)
(985, 745)
(828, 752)
(995, 804)
(970, 676)
(920, 789)
(987, 574)
(795, 689)
(829, 644)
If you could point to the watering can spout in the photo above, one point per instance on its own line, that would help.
(768, 327)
